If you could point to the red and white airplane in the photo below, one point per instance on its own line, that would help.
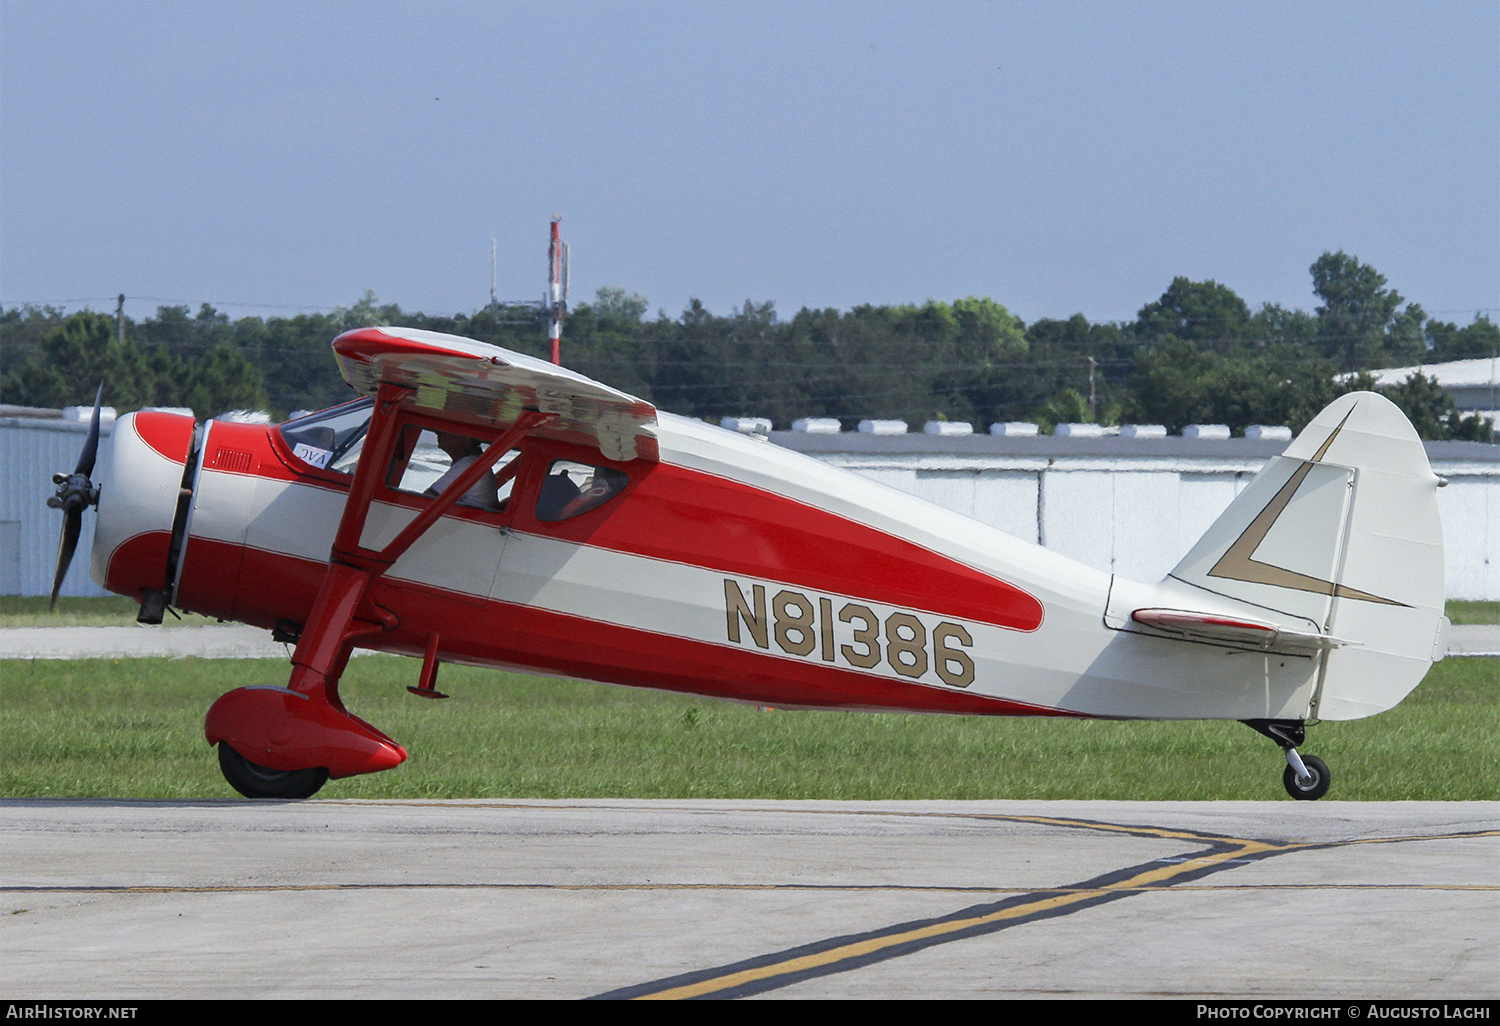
(579, 532)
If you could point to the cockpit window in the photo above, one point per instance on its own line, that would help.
(330, 439)
(572, 489)
(427, 462)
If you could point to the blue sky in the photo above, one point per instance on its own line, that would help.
(1059, 157)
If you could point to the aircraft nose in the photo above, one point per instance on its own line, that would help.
(138, 502)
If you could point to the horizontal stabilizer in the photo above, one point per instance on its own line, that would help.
(1234, 631)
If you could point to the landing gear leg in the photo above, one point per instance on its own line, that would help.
(1306, 777)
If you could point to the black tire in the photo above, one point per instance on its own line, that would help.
(256, 781)
(1315, 788)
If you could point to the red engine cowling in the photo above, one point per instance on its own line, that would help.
(140, 498)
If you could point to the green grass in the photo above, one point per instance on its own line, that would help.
(110, 611)
(1474, 612)
(133, 729)
(31, 611)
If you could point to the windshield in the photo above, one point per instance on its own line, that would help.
(330, 439)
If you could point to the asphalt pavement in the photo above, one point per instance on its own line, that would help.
(1220, 901)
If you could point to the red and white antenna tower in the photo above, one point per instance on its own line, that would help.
(557, 290)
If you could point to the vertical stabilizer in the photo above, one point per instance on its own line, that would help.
(1341, 532)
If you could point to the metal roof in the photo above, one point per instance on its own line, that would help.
(1484, 370)
(1054, 446)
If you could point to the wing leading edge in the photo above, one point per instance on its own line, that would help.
(467, 381)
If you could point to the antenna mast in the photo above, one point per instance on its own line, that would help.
(557, 290)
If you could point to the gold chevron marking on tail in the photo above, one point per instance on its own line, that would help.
(1238, 564)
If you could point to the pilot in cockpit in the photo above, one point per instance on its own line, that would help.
(464, 450)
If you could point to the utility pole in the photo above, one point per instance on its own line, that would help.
(557, 290)
(494, 248)
(120, 319)
(1093, 403)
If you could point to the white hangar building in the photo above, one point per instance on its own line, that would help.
(1131, 506)
(1473, 384)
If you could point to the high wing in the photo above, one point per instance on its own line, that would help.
(470, 382)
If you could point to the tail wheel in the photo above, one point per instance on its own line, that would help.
(255, 781)
(1314, 786)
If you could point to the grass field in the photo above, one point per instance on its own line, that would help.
(110, 611)
(133, 729)
(1474, 612)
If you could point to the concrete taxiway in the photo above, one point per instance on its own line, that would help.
(574, 899)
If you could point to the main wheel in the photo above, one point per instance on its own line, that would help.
(1313, 789)
(255, 781)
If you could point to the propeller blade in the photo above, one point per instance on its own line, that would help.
(66, 543)
(75, 492)
(91, 444)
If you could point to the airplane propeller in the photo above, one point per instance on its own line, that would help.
(75, 492)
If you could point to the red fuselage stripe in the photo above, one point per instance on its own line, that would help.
(687, 516)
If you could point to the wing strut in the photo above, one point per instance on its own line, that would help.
(305, 724)
(342, 610)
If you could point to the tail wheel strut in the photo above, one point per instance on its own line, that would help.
(1306, 777)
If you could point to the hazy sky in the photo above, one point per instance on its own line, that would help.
(1059, 157)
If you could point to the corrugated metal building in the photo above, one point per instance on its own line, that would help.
(32, 449)
(1132, 506)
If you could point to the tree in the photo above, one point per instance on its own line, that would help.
(1199, 311)
(21, 332)
(1177, 384)
(1275, 325)
(1450, 342)
(365, 313)
(295, 361)
(80, 351)
(991, 341)
(1070, 406)
(1405, 337)
(1167, 384)
(72, 356)
(610, 301)
(1195, 354)
(1357, 324)
(988, 331)
(1433, 412)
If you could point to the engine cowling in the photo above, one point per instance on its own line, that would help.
(143, 502)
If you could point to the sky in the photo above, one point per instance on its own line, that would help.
(1058, 157)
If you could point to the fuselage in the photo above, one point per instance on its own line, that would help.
(723, 565)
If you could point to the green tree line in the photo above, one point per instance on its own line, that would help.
(1196, 354)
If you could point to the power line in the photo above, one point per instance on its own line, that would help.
(187, 303)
